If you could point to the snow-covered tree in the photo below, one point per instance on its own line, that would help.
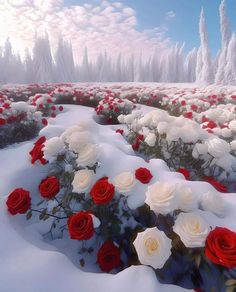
(42, 60)
(204, 72)
(225, 38)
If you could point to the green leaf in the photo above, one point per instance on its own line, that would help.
(29, 215)
(82, 262)
(54, 210)
(45, 217)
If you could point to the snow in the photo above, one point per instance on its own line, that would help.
(29, 263)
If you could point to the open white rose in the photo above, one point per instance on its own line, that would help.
(146, 120)
(124, 182)
(192, 229)
(233, 145)
(78, 140)
(201, 148)
(121, 118)
(232, 126)
(150, 139)
(153, 247)
(226, 133)
(213, 202)
(83, 180)
(218, 147)
(66, 134)
(188, 201)
(161, 198)
(52, 148)
(88, 155)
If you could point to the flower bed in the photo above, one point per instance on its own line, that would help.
(183, 145)
(18, 122)
(166, 229)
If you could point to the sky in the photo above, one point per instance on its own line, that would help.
(126, 26)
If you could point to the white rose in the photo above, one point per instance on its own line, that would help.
(150, 139)
(52, 148)
(192, 229)
(226, 133)
(69, 131)
(88, 155)
(201, 148)
(121, 118)
(83, 180)
(161, 198)
(188, 201)
(145, 121)
(78, 140)
(218, 147)
(153, 247)
(232, 126)
(124, 182)
(233, 145)
(213, 202)
(129, 118)
(162, 128)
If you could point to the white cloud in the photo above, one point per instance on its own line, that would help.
(170, 14)
(106, 25)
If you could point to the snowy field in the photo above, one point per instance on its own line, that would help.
(32, 262)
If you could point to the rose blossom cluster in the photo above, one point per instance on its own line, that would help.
(94, 209)
(46, 104)
(110, 107)
(18, 121)
(182, 143)
(181, 231)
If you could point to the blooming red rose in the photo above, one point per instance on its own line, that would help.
(108, 256)
(49, 187)
(40, 141)
(221, 247)
(184, 172)
(53, 115)
(18, 201)
(188, 115)
(136, 146)
(80, 226)
(143, 175)
(217, 185)
(61, 108)
(102, 192)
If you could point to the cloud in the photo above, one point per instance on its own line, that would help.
(103, 25)
(170, 15)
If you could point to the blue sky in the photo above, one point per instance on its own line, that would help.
(184, 26)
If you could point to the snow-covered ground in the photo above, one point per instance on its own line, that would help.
(29, 264)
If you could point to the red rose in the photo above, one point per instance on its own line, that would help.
(143, 175)
(61, 108)
(80, 226)
(2, 122)
(18, 201)
(49, 187)
(40, 141)
(108, 256)
(221, 247)
(120, 131)
(184, 172)
(37, 153)
(217, 185)
(102, 192)
(136, 146)
(53, 115)
(44, 122)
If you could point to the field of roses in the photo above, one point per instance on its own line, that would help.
(107, 183)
